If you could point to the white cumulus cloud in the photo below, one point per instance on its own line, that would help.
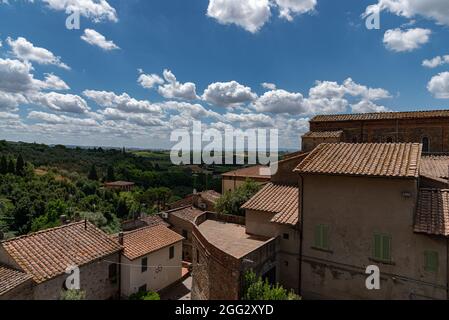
(228, 94)
(95, 38)
(405, 41)
(436, 62)
(24, 50)
(173, 89)
(96, 10)
(439, 85)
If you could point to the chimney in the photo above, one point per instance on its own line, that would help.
(63, 219)
(85, 224)
(120, 238)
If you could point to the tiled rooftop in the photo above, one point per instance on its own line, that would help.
(47, 254)
(277, 199)
(250, 172)
(382, 116)
(210, 195)
(230, 238)
(186, 213)
(435, 166)
(11, 278)
(432, 215)
(120, 183)
(364, 159)
(146, 240)
(323, 134)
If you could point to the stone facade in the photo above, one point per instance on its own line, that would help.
(432, 132)
(95, 282)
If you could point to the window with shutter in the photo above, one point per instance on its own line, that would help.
(431, 261)
(382, 247)
(322, 237)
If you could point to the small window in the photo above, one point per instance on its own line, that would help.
(185, 233)
(431, 261)
(197, 256)
(322, 237)
(286, 236)
(354, 140)
(113, 273)
(171, 252)
(425, 145)
(143, 288)
(382, 247)
(144, 264)
(390, 140)
(286, 263)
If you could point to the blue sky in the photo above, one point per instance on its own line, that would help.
(317, 56)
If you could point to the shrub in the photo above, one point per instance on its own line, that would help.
(145, 296)
(255, 288)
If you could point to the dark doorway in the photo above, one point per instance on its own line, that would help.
(270, 276)
(425, 145)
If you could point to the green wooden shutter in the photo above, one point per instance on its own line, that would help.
(386, 248)
(377, 250)
(431, 261)
(325, 237)
(318, 236)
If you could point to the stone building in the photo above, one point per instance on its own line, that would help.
(430, 128)
(119, 185)
(34, 266)
(222, 252)
(364, 204)
(151, 259)
(233, 179)
(181, 221)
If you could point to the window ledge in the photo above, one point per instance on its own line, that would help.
(321, 249)
(382, 261)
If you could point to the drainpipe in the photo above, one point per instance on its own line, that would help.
(301, 229)
(119, 271)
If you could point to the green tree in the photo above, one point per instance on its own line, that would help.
(3, 165)
(145, 296)
(93, 175)
(231, 202)
(255, 288)
(110, 174)
(53, 212)
(20, 165)
(11, 167)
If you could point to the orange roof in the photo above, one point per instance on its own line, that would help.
(323, 134)
(364, 159)
(47, 254)
(278, 199)
(435, 166)
(432, 215)
(186, 213)
(11, 278)
(210, 195)
(146, 240)
(382, 116)
(249, 172)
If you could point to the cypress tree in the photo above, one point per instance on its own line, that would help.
(20, 165)
(11, 167)
(93, 173)
(110, 175)
(3, 165)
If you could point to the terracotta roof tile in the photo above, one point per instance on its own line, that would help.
(186, 213)
(323, 134)
(143, 241)
(47, 254)
(250, 172)
(382, 116)
(432, 215)
(11, 278)
(435, 166)
(210, 195)
(364, 159)
(278, 199)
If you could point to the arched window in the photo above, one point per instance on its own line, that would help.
(425, 144)
(354, 139)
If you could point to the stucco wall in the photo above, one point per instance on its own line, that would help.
(161, 271)
(355, 208)
(94, 278)
(178, 225)
(258, 223)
